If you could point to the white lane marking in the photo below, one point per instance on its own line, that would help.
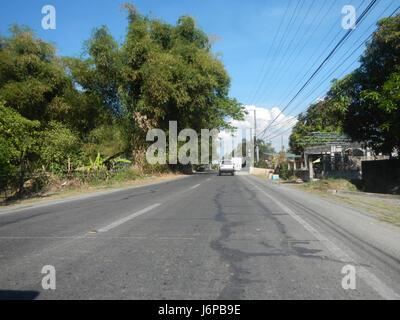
(194, 187)
(106, 237)
(45, 203)
(130, 217)
(374, 282)
(209, 179)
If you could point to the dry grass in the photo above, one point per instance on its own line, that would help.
(385, 209)
(329, 184)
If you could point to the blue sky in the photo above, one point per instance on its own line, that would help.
(247, 29)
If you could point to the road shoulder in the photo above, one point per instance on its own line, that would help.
(380, 207)
(95, 192)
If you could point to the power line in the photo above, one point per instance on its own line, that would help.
(278, 48)
(299, 52)
(310, 36)
(325, 60)
(291, 41)
(294, 119)
(326, 38)
(364, 13)
(286, 57)
(276, 134)
(317, 59)
(348, 57)
(270, 49)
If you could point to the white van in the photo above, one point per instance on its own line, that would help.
(237, 163)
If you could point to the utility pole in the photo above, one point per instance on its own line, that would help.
(221, 148)
(255, 136)
(250, 149)
(233, 143)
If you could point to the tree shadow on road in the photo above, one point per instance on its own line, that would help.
(18, 295)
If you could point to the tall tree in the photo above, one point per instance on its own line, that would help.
(366, 103)
(32, 79)
(170, 74)
(369, 98)
(319, 117)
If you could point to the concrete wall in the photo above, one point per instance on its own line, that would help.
(381, 176)
(343, 174)
(261, 172)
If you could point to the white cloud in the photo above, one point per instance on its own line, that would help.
(280, 127)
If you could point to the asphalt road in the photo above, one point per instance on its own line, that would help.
(200, 237)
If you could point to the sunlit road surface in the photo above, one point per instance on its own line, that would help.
(200, 237)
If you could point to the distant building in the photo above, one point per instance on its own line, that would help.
(334, 155)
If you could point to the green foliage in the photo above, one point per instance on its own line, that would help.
(125, 175)
(96, 164)
(330, 184)
(17, 138)
(279, 158)
(31, 75)
(372, 113)
(58, 144)
(160, 73)
(366, 103)
(285, 172)
(156, 168)
(265, 147)
(108, 140)
(102, 103)
(319, 117)
(99, 73)
(170, 74)
(263, 164)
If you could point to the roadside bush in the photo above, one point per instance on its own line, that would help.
(126, 174)
(155, 168)
(284, 171)
(330, 184)
(263, 164)
(17, 138)
(58, 144)
(107, 140)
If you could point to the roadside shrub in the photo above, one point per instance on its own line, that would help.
(330, 184)
(126, 174)
(155, 168)
(263, 164)
(284, 171)
(58, 143)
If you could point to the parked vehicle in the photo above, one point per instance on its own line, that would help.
(226, 166)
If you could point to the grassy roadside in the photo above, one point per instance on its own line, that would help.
(384, 209)
(325, 185)
(74, 189)
(344, 191)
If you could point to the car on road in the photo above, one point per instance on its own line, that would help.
(237, 163)
(226, 166)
